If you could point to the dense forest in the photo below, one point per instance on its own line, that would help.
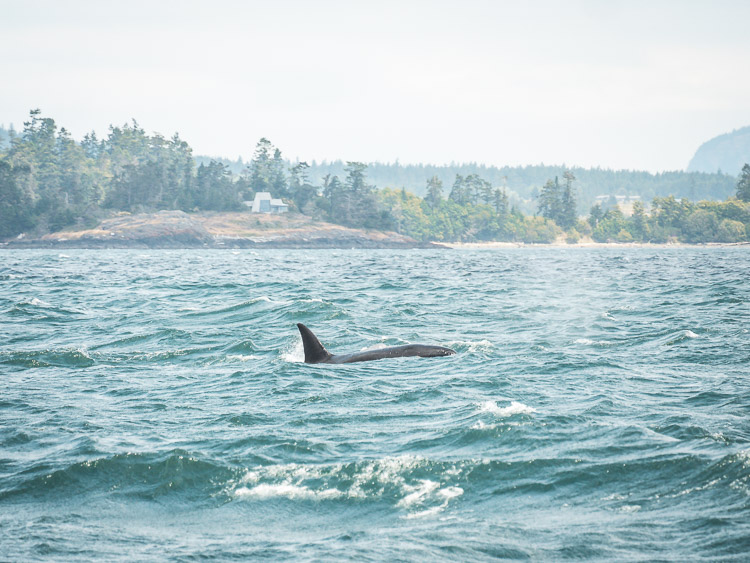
(522, 183)
(48, 182)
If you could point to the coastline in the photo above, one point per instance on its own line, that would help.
(586, 244)
(177, 229)
(180, 230)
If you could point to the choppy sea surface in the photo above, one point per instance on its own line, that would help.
(154, 405)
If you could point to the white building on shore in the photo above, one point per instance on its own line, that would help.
(264, 203)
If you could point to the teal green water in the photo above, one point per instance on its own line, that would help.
(154, 405)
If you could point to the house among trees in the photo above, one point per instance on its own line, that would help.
(264, 203)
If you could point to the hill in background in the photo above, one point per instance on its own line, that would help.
(727, 152)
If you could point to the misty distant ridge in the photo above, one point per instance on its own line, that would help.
(523, 182)
(727, 152)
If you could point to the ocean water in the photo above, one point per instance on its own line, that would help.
(154, 405)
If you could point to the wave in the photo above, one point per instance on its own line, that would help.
(295, 353)
(239, 307)
(42, 310)
(162, 335)
(589, 342)
(77, 357)
(243, 358)
(514, 408)
(145, 476)
(472, 346)
(413, 484)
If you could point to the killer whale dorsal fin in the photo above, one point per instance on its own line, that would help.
(315, 352)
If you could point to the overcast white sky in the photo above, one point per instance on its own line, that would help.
(631, 84)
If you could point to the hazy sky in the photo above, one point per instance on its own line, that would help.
(627, 84)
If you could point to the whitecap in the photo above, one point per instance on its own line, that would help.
(691, 334)
(268, 299)
(425, 494)
(286, 490)
(370, 479)
(241, 358)
(473, 346)
(295, 354)
(428, 512)
(614, 496)
(589, 342)
(514, 408)
(417, 494)
(451, 492)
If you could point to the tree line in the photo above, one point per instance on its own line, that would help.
(672, 219)
(48, 182)
(523, 183)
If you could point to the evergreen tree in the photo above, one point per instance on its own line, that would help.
(355, 178)
(434, 192)
(595, 215)
(16, 204)
(214, 188)
(334, 193)
(262, 175)
(458, 191)
(743, 184)
(639, 222)
(500, 201)
(567, 215)
(300, 189)
(359, 206)
(550, 202)
(279, 186)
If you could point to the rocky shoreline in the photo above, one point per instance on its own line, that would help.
(177, 229)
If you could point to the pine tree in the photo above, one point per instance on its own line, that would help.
(260, 167)
(743, 185)
(458, 191)
(550, 203)
(595, 215)
(500, 201)
(434, 192)
(568, 215)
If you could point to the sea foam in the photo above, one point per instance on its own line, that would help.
(514, 408)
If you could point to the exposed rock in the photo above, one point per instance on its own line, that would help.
(176, 229)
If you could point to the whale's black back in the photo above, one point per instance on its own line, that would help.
(315, 352)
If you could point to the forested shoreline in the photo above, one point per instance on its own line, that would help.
(50, 182)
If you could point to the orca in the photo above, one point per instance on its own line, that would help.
(315, 352)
